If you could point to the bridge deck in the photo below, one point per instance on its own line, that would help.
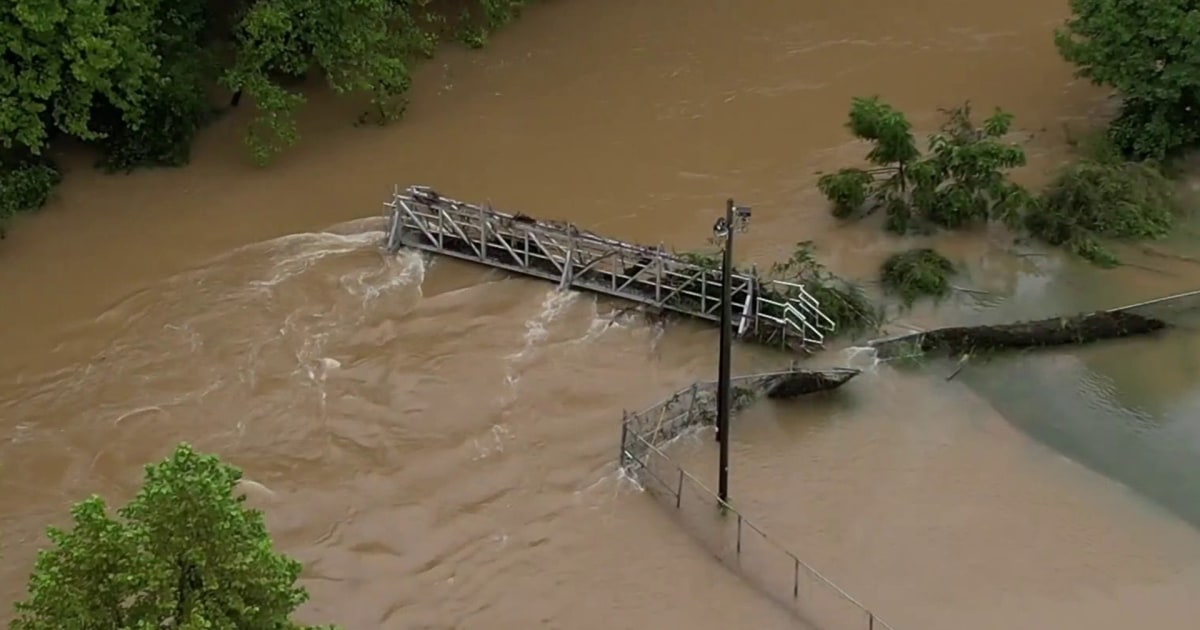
(773, 312)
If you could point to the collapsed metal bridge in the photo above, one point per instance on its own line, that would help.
(769, 311)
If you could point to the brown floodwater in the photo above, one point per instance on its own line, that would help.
(437, 442)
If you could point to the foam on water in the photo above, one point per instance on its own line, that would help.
(864, 358)
(554, 303)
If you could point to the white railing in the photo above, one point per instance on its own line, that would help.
(800, 313)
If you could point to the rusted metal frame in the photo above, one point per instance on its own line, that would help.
(689, 282)
(745, 284)
(679, 289)
(502, 240)
(483, 233)
(519, 270)
(591, 264)
(547, 255)
(530, 271)
(445, 217)
(568, 275)
(418, 223)
(393, 242)
(618, 266)
(575, 254)
(630, 279)
(658, 274)
(584, 254)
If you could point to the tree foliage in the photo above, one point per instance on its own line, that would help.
(25, 187)
(360, 45)
(961, 178)
(115, 71)
(135, 77)
(184, 553)
(490, 15)
(1100, 197)
(843, 302)
(916, 273)
(1149, 52)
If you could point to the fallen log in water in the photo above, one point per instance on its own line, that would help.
(1054, 331)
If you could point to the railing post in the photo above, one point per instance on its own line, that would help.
(568, 274)
(624, 435)
(687, 420)
(658, 275)
(394, 233)
(679, 490)
(870, 620)
(739, 534)
(483, 235)
(796, 578)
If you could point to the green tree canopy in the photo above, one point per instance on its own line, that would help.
(115, 71)
(1149, 52)
(961, 179)
(184, 553)
(135, 77)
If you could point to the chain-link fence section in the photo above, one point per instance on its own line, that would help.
(736, 540)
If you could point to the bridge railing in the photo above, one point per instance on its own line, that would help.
(739, 542)
(769, 312)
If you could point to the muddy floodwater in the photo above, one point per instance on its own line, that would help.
(437, 442)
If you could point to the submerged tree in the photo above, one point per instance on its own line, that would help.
(844, 303)
(184, 553)
(960, 180)
(916, 273)
(1102, 196)
(1147, 52)
(23, 187)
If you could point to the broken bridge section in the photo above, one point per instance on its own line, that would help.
(771, 312)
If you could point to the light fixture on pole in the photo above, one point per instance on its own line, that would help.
(736, 219)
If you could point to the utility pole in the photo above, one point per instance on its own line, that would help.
(736, 219)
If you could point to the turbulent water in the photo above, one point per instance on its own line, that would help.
(437, 442)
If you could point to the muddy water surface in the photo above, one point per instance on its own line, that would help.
(436, 441)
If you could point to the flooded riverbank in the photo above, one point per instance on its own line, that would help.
(439, 440)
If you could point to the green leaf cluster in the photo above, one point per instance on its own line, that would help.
(843, 302)
(1149, 52)
(119, 72)
(474, 26)
(961, 179)
(1102, 197)
(135, 78)
(184, 553)
(26, 186)
(917, 273)
(360, 45)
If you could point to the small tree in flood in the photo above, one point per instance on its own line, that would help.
(959, 181)
(184, 553)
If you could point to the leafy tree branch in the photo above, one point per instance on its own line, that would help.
(184, 553)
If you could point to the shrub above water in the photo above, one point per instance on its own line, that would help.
(846, 304)
(1102, 197)
(25, 187)
(959, 181)
(917, 273)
